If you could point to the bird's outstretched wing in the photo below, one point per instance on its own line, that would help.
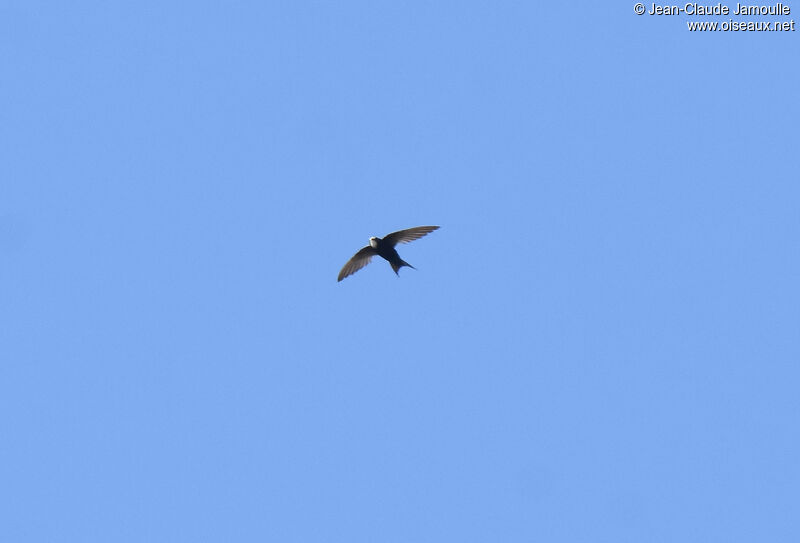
(359, 260)
(410, 234)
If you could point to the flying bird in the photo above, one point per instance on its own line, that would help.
(385, 249)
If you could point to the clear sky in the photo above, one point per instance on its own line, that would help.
(601, 343)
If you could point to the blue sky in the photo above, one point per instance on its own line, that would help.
(600, 343)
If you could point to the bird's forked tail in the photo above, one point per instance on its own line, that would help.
(396, 267)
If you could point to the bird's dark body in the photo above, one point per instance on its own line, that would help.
(389, 253)
(384, 248)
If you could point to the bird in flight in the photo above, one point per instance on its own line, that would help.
(385, 249)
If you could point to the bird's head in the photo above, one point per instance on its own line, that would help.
(373, 242)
